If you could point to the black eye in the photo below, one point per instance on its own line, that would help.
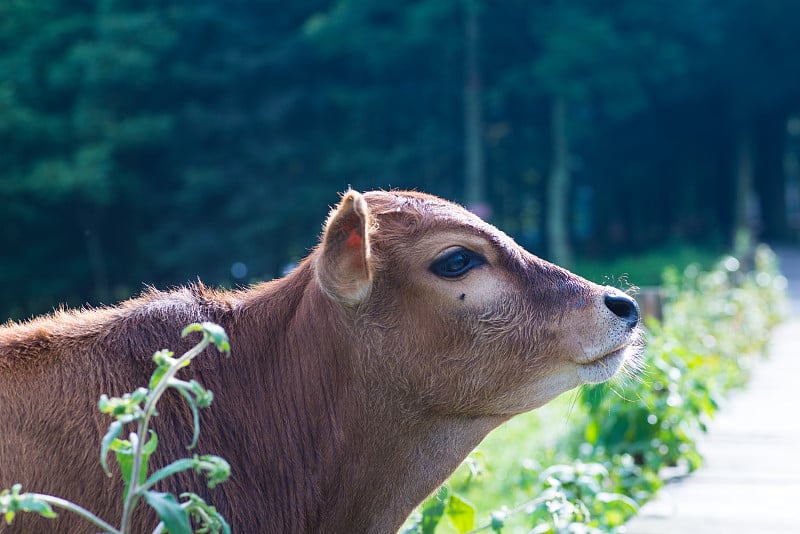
(456, 263)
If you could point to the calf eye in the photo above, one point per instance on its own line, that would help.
(456, 263)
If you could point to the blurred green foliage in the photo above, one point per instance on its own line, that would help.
(155, 142)
(621, 440)
(646, 268)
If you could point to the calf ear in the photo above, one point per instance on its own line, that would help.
(343, 266)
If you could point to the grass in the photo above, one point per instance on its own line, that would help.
(500, 460)
(527, 437)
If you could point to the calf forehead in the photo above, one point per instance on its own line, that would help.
(409, 215)
(416, 225)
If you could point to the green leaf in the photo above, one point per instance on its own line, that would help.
(217, 469)
(124, 454)
(127, 458)
(433, 510)
(618, 499)
(543, 528)
(461, 513)
(194, 327)
(204, 397)
(206, 515)
(125, 408)
(214, 332)
(195, 416)
(104, 404)
(218, 336)
(184, 464)
(150, 445)
(138, 396)
(498, 520)
(169, 510)
(158, 375)
(615, 508)
(13, 501)
(164, 358)
(114, 430)
(592, 432)
(30, 503)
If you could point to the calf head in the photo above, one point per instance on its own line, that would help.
(452, 316)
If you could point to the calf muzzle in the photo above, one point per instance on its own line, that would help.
(623, 307)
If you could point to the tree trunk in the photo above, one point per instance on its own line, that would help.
(745, 216)
(770, 152)
(475, 181)
(558, 188)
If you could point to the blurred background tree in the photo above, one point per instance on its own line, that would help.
(157, 142)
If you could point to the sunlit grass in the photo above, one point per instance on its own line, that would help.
(502, 456)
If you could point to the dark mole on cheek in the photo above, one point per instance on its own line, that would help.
(462, 296)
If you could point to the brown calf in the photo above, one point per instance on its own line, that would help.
(357, 383)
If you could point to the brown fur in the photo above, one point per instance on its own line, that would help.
(356, 384)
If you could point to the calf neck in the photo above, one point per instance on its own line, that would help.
(357, 383)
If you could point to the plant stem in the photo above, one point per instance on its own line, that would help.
(142, 429)
(78, 510)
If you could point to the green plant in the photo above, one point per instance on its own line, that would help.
(568, 498)
(133, 454)
(576, 498)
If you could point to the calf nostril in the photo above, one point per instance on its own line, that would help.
(623, 307)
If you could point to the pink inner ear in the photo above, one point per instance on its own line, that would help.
(354, 239)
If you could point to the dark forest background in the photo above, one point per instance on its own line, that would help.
(160, 141)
